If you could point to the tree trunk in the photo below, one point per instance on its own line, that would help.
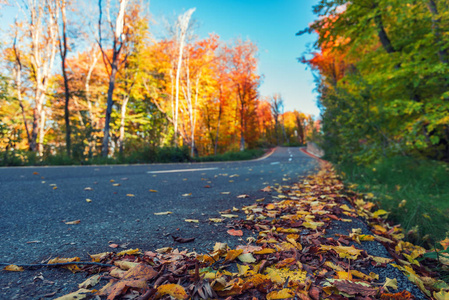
(110, 103)
(63, 54)
(122, 124)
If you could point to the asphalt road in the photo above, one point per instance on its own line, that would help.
(37, 201)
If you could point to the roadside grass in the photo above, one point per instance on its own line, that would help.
(415, 193)
(139, 156)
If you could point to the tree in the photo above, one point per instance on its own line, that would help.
(242, 65)
(181, 30)
(118, 40)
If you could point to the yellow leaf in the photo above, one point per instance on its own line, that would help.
(391, 283)
(130, 195)
(129, 252)
(379, 212)
(153, 191)
(99, 256)
(343, 252)
(79, 294)
(174, 290)
(216, 220)
(89, 282)
(13, 268)
(57, 260)
(344, 275)
(55, 187)
(88, 200)
(163, 213)
(191, 220)
(187, 195)
(116, 184)
(282, 294)
(441, 295)
(73, 222)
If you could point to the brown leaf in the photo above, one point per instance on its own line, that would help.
(122, 286)
(182, 240)
(353, 288)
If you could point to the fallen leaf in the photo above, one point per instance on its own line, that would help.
(216, 220)
(153, 191)
(125, 265)
(225, 193)
(88, 188)
(88, 200)
(79, 294)
(390, 283)
(55, 187)
(113, 245)
(174, 290)
(73, 222)
(182, 240)
(163, 213)
(98, 257)
(246, 258)
(243, 196)
(130, 195)
(122, 286)
(73, 268)
(13, 268)
(282, 294)
(129, 252)
(116, 184)
(266, 189)
(90, 282)
(191, 221)
(229, 216)
(235, 232)
(187, 195)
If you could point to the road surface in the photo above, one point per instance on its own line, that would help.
(37, 201)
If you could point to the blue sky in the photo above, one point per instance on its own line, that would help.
(272, 25)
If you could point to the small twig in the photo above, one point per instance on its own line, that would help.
(57, 264)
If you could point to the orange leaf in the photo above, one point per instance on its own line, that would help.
(122, 286)
(174, 290)
(232, 254)
(235, 232)
(282, 294)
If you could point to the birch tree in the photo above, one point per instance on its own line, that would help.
(181, 31)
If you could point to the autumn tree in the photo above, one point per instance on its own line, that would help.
(242, 65)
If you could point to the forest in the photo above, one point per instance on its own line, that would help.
(382, 76)
(82, 82)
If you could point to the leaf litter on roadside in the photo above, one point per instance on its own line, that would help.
(293, 256)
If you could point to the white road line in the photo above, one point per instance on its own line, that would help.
(181, 170)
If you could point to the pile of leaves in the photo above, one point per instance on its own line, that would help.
(296, 253)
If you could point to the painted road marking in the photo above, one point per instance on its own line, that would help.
(181, 170)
